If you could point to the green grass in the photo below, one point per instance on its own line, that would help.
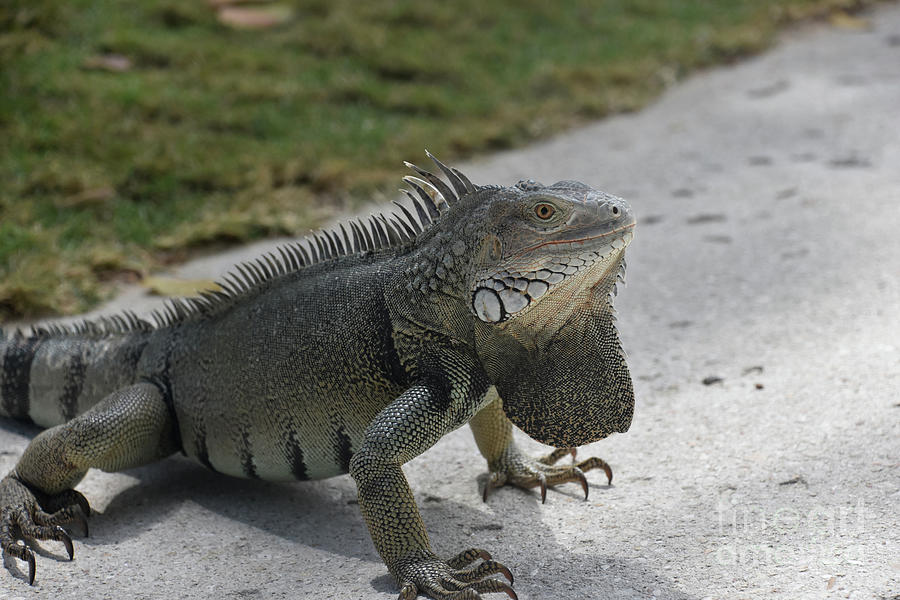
(217, 135)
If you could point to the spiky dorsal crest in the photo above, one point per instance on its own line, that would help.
(124, 322)
(429, 195)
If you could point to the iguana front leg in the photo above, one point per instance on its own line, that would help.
(130, 427)
(508, 464)
(448, 393)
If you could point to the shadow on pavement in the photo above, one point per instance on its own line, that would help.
(325, 516)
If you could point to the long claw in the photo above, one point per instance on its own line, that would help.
(594, 462)
(494, 585)
(506, 573)
(485, 569)
(583, 480)
(29, 556)
(608, 470)
(543, 489)
(66, 540)
(83, 503)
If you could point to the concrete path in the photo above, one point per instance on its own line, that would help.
(767, 259)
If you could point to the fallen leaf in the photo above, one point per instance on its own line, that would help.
(262, 17)
(220, 3)
(175, 287)
(843, 20)
(87, 197)
(117, 63)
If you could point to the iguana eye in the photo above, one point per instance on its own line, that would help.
(544, 211)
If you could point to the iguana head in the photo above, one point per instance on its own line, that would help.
(546, 248)
(528, 270)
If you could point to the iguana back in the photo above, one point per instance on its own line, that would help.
(283, 384)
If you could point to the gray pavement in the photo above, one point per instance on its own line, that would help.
(767, 254)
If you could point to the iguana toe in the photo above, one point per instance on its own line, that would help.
(467, 557)
(485, 569)
(557, 454)
(20, 551)
(66, 503)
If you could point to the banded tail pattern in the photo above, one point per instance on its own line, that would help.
(51, 375)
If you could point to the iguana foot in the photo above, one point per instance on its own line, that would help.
(450, 579)
(525, 472)
(23, 517)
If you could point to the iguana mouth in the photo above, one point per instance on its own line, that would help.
(580, 240)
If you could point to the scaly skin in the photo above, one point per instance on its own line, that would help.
(352, 353)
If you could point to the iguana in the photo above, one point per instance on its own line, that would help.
(350, 352)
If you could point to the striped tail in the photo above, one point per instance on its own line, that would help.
(50, 376)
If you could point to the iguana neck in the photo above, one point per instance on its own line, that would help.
(559, 314)
(429, 286)
(425, 292)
